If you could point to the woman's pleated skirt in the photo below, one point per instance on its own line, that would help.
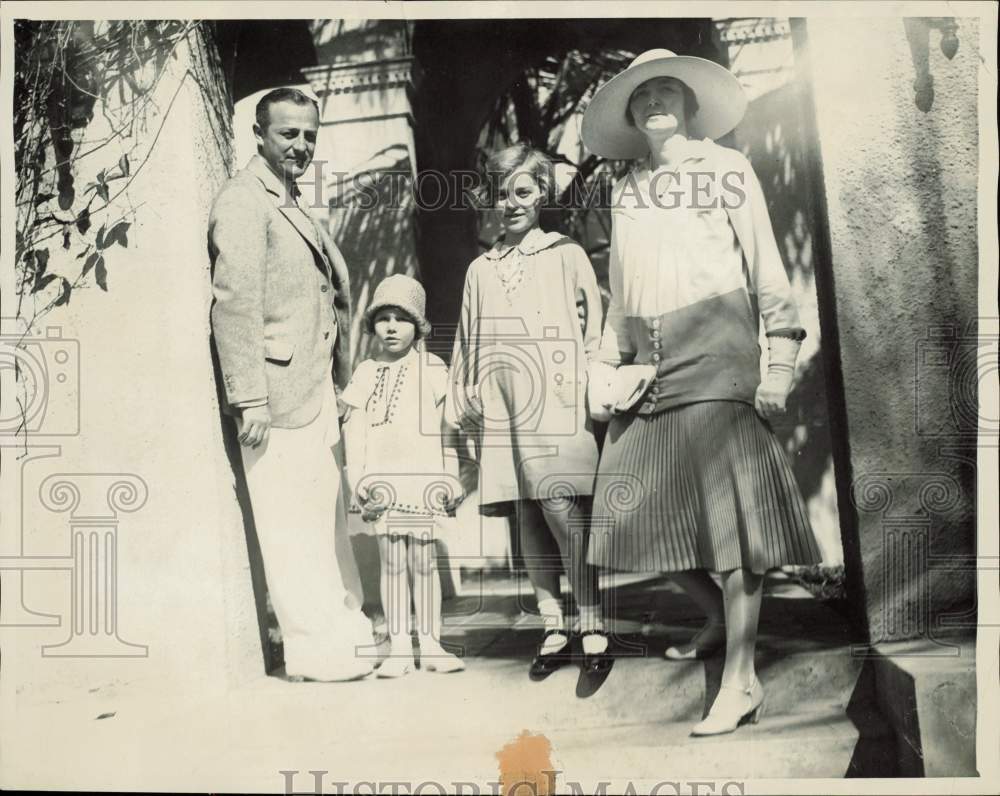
(701, 486)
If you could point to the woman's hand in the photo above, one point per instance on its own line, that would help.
(777, 383)
(771, 396)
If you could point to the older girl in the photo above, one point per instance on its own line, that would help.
(694, 266)
(530, 322)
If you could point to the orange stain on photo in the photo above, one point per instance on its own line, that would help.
(527, 762)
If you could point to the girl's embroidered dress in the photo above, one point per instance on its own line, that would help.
(403, 461)
(530, 322)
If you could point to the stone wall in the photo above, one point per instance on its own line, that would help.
(174, 606)
(901, 292)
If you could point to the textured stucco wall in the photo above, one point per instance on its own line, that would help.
(148, 407)
(900, 189)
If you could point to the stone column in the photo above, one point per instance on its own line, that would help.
(897, 185)
(365, 169)
(128, 380)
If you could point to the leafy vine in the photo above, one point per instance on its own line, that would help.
(84, 94)
(66, 72)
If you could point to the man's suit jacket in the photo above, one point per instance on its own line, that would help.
(281, 314)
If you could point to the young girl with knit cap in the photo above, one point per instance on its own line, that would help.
(402, 480)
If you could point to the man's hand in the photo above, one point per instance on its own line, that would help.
(254, 426)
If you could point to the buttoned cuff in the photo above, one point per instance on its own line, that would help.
(792, 332)
(250, 403)
(782, 353)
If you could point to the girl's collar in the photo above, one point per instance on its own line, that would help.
(397, 362)
(535, 241)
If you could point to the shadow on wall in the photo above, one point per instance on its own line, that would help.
(772, 136)
(266, 622)
(371, 218)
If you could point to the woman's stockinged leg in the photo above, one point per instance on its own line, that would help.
(541, 556)
(742, 590)
(740, 696)
(699, 586)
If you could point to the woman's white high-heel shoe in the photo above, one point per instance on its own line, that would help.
(731, 708)
(696, 651)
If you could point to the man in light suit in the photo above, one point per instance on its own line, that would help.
(281, 325)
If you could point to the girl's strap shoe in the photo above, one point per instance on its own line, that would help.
(544, 665)
(595, 667)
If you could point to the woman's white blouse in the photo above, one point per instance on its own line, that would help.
(688, 235)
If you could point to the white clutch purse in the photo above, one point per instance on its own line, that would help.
(612, 390)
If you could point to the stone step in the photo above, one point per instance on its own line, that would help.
(635, 727)
(640, 691)
(817, 741)
(645, 687)
(814, 738)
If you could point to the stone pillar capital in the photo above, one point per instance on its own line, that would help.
(385, 82)
(752, 29)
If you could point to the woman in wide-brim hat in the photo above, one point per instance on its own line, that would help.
(693, 268)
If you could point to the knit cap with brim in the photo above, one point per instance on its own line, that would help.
(404, 292)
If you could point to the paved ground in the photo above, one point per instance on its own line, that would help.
(449, 728)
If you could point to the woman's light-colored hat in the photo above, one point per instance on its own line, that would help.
(721, 103)
(404, 292)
